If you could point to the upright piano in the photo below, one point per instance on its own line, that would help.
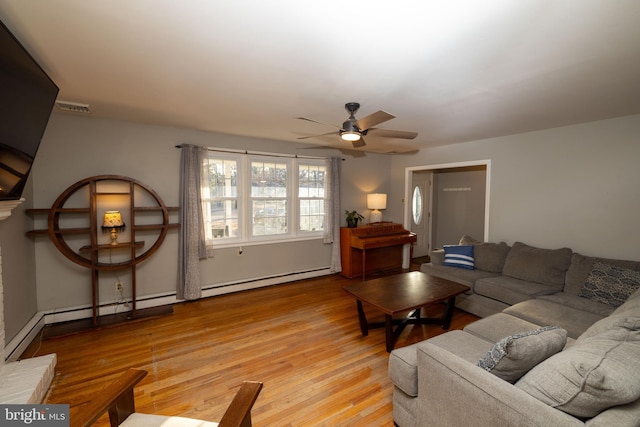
(373, 248)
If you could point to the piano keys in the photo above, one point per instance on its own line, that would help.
(373, 248)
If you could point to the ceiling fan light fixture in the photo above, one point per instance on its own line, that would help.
(350, 136)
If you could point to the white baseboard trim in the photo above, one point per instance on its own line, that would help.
(27, 334)
(30, 331)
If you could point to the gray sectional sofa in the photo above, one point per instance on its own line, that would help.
(558, 345)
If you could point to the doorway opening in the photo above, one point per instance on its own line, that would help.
(444, 202)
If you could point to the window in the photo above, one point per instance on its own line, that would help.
(416, 205)
(220, 198)
(311, 188)
(262, 198)
(269, 197)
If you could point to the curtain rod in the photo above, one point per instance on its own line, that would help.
(230, 150)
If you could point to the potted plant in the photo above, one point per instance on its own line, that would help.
(352, 218)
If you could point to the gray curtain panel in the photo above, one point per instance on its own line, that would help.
(332, 212)
(192, 246)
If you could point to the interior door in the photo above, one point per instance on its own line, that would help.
(420, 211)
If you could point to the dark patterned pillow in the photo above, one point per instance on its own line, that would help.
(610, 284)
(513, 356)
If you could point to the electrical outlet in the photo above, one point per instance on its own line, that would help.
(119, 286)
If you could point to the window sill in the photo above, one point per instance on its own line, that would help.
(235, 243)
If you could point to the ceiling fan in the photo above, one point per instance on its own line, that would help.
(354, 130)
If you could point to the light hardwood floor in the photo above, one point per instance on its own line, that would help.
(301, 339)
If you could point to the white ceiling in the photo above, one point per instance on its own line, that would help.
(451, 70)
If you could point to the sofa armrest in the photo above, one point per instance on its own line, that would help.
(436, 256)
(455, 392)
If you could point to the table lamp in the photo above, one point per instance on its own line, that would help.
(376, 201)
(113, 222)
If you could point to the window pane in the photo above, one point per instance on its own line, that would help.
(220, 201)
(311, 180)
(311, 193)
(268, 179)
(224, 218)
(312, 215)
(269, 217)
(223, 178)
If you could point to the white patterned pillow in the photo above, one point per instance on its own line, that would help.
(610, 284)
(513, 356)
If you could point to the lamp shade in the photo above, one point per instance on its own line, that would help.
(376, 201)
(112, 219)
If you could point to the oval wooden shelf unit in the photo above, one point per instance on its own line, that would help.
(88, 256)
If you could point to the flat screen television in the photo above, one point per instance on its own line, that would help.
(27, 96)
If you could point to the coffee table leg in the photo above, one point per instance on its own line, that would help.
(388, 332)
(364, 325)
(446, 319)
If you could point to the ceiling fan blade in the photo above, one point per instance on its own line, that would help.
(374, 119)
(389, 133)
(320, 123)
(315, 136)
(359, 143)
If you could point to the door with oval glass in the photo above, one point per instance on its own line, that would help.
(420, 211)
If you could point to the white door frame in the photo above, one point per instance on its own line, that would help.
(407, 195)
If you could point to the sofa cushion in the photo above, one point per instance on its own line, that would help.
(490, 256)
(546, 266)
(458, 275)
(546, 313)
(479, 305)
(632, 303)
(581, 267)
(460, 256)
(610, 322)
(151, 420)
(610, 284)
(511, 290)
(467, 240)
(403, 365)
(437, 256)
(515, 355)
(497, 326)
(579, 303)
(592, 375)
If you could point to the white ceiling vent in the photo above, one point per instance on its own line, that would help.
(73, 107)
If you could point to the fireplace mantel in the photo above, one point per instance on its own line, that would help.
(7, 206)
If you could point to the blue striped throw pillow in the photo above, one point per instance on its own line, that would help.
(459, 256)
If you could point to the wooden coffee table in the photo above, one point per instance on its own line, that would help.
(401, 293)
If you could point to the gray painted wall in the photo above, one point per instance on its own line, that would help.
(18, 268)
(574, 186)
(457, 213)
(75, 148)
